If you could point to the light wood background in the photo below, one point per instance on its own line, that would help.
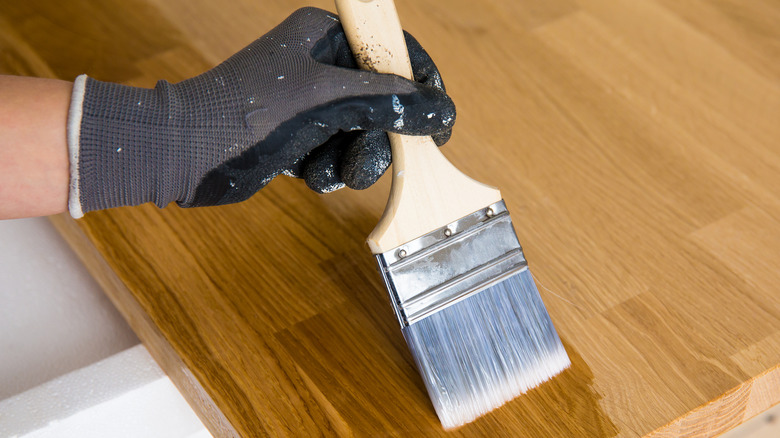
(635, 142)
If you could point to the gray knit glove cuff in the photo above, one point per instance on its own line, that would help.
(123, 148)
(290, 103)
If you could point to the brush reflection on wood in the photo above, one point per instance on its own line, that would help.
(636, 145)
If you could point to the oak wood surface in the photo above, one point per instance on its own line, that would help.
(636, 144)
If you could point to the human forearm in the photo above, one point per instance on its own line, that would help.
(34, 162)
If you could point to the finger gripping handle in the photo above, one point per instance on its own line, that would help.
(428, 192)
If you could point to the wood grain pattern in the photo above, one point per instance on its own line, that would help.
(636, 145)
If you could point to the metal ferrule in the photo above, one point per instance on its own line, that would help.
(452, 263)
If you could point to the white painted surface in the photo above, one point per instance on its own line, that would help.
(53, 316)
(125, 395)
(69, 364)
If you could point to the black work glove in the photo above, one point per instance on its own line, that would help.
(290, 103)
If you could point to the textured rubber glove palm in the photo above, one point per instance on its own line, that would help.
(290, 103)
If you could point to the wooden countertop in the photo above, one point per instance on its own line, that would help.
(637, 145)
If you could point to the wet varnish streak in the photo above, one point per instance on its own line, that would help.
(573, 391)
(373, 363)
(566, 406)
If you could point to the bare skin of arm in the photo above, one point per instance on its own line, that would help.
(34, 165)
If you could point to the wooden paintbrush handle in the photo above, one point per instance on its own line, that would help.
(428, 192)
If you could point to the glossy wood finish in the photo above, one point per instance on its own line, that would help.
(636, 144)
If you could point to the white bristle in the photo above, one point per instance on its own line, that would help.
(478, 354)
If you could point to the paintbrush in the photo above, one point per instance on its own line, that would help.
(453, 266)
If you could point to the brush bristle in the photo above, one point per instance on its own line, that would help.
(481, 352)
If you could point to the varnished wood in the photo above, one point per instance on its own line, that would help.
(636, 145)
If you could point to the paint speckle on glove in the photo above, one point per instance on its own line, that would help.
(292, 103)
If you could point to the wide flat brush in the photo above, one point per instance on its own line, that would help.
(455, 271)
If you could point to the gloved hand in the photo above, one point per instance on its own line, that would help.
(290, 103)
